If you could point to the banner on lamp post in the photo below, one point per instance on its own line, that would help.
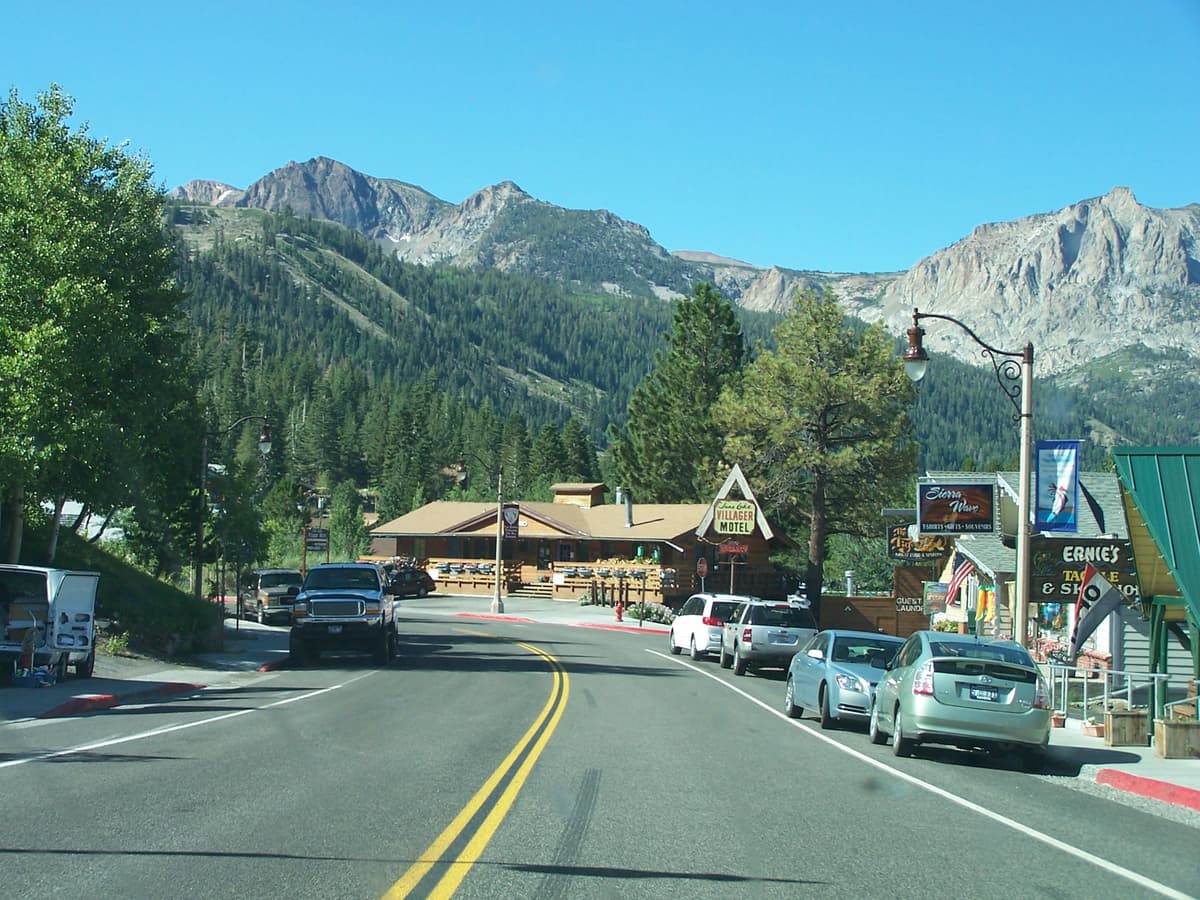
(1057, 486)
(512, 520)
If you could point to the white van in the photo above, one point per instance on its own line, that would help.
(47, 618)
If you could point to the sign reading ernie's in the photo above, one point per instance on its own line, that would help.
(734, 517)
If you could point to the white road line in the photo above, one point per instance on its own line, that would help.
(168, 729)
(1098, 861)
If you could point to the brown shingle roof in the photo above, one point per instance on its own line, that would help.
(651, 521)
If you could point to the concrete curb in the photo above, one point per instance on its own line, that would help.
(498, 617)
(92, 702)
(1152, 788)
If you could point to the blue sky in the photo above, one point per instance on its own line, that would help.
(828, 136)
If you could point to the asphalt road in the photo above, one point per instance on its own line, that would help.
(498, 759)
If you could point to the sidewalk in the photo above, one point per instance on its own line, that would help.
(251, 648)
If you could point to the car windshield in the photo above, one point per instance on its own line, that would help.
(348, 579)
(860, 649)
(724, 609)
(994, 652)
(782, 616)
(279, 579)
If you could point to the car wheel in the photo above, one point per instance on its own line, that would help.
(901, 745)
(695, 654)
(874, 732)
(827, 721)
(790, 709)
(88, 666)
(726, 659)
(671, 640)
(383, 645)
(297, 651)
(422, 591)
(739, 664)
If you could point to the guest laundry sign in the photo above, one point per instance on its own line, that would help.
(956, 507)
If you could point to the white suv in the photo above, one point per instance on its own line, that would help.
(700, 622)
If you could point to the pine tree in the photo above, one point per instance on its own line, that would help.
(820, 427)
(667, 451)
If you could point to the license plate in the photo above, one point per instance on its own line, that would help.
(335, 629)
(984, 693)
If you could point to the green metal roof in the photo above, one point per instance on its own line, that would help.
(1164, 483)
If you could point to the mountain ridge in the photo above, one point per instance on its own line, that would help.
(1097, 276)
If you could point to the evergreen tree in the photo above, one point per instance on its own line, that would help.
(669, 445)
(819, 426)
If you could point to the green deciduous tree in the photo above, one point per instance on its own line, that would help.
(819, 425)
(669, 447)
(90, 358)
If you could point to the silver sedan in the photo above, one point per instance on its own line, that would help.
(833, 674)
(964, 691)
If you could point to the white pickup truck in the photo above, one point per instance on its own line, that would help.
(765, 633)
(47, 621)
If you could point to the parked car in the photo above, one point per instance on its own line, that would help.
(700, 621)
(836, 673)
(973, 693)
(765, 633)
(266, 597)
(408, 581)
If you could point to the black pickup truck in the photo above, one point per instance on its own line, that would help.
(343, 607)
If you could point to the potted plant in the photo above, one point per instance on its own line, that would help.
(1092, 728)
(1058, 719)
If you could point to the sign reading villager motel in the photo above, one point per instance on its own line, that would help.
(956, 507)
(734, 517)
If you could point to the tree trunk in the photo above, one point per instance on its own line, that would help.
(816, 546)
(52, 544)
(16, 524)
(103, 527)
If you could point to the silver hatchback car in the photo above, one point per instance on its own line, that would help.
(968, 692)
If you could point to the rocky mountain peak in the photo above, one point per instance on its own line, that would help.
(1095, 276)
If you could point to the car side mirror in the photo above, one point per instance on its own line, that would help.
(815, 653)
(293, 591)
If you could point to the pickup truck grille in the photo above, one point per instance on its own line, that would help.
(337, 608)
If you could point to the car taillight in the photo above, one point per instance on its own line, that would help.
(746, 633)
(923, 680)
(1041, 700)
(712, 621)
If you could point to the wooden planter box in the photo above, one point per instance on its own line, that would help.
(1177, 738)
(1126, 728)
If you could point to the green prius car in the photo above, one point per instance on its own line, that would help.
(968, 692)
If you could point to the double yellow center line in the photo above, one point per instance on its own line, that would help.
(515, 768)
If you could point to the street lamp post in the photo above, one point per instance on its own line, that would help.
(264, 446)
(1016, 381)
(497, 599)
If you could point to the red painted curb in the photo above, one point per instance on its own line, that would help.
(633, 629)
(1150, 787)
(272, 666)
(93, 702)
(499, 617)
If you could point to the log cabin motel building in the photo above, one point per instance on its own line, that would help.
(579, 545)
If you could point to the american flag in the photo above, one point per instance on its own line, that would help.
(963, 569)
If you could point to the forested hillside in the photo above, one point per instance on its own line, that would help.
(388, 373)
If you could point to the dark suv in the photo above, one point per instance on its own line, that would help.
(409, 581)
(343, 606)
